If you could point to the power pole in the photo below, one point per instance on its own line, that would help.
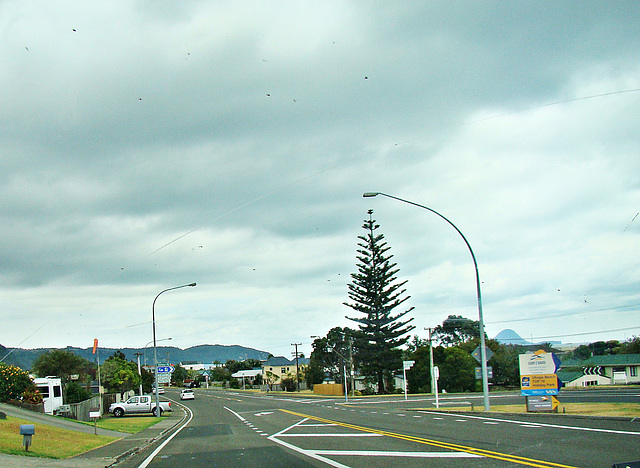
(139, 370)
(297, 373)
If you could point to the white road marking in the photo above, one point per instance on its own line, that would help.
(331, 435)
(555, 426)
(380, 453)
(148, 460)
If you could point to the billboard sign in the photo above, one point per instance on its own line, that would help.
(538, 363)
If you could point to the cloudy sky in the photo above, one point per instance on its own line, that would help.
(150, 144)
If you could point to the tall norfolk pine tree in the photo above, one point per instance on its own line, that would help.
(374, 293)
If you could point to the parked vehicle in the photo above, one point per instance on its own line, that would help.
(51, 390)
(187, 394)
(160, 390)
(137, 405)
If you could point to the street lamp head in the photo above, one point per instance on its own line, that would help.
(370, 194)
(191, 284)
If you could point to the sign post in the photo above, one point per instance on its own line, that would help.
(538, 380)
(405, 366)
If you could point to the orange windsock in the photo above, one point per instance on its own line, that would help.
(95, 345)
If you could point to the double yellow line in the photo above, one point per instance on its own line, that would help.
(436, 443)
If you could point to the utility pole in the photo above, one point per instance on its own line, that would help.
(297, 373)
(430, 330)
(138, 354)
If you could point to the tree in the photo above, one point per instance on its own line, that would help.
(329, 356)
(64, 364)
(631, 346)
(118, 374)
(13, 382)
(456, 329)
(179, 375)
(457, 369)
(75, 393)
(375, 292)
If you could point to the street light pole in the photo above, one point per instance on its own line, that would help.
(483, 352)
(155, 347)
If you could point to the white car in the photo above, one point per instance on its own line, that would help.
(160, 390)
(187, 394)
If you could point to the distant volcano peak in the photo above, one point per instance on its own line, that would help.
(508, 336)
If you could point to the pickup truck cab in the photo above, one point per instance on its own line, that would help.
(137, 405)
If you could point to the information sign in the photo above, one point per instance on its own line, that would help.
(479, 373)
(542, 403)
(543, 384)
(538, 363)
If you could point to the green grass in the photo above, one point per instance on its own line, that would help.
(129, 424)
(48, 441)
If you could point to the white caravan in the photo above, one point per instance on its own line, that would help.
(51, 390)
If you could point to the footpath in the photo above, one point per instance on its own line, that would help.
(105, 456)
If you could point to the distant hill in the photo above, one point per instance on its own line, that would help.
(508, 336)
(24, 358)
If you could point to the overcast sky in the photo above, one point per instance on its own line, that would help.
(150, 144)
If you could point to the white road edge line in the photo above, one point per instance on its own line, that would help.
(380, 453)
(148, 460)
(535, 424)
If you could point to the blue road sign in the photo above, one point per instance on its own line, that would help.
(165, 369)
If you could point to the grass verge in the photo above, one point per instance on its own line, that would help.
(48, 441)
(129, 424)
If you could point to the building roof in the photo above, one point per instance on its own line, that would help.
(605, 360)
(278, 361)
(246, 373)
(283, 361)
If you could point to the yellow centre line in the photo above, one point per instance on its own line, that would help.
(436, 443)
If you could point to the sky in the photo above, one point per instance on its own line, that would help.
(150, 144)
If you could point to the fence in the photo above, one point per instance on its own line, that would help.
(80, 411)
(328, 389)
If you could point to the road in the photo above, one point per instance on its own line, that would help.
(230, 428)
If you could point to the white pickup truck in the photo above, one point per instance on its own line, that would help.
(138, 404)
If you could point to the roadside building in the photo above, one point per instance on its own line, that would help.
(613, 369)
(276, 368)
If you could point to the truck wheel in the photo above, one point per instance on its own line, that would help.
(118, 412)
(155, 411)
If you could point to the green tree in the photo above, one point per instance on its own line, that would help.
(63, 364)
(13, 382)
(456, 329)
(75, 393)
(631, 346)
(118, 374)
(179, 375)
(375, 292)
(329, 356)
(457, 369)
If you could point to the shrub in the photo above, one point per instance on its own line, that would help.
(13, 382)
(288, 384)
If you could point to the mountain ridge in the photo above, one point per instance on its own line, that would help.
(206, 353)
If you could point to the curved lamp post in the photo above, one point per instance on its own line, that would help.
(155, 348)
(483, 352)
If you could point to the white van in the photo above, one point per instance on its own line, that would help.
(51, 390)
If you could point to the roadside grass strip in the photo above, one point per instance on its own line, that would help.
(48, 441)
(434, 443)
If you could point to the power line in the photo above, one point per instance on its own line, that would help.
(585, 333)
(538, 318)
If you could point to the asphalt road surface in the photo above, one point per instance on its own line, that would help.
(230, 429)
